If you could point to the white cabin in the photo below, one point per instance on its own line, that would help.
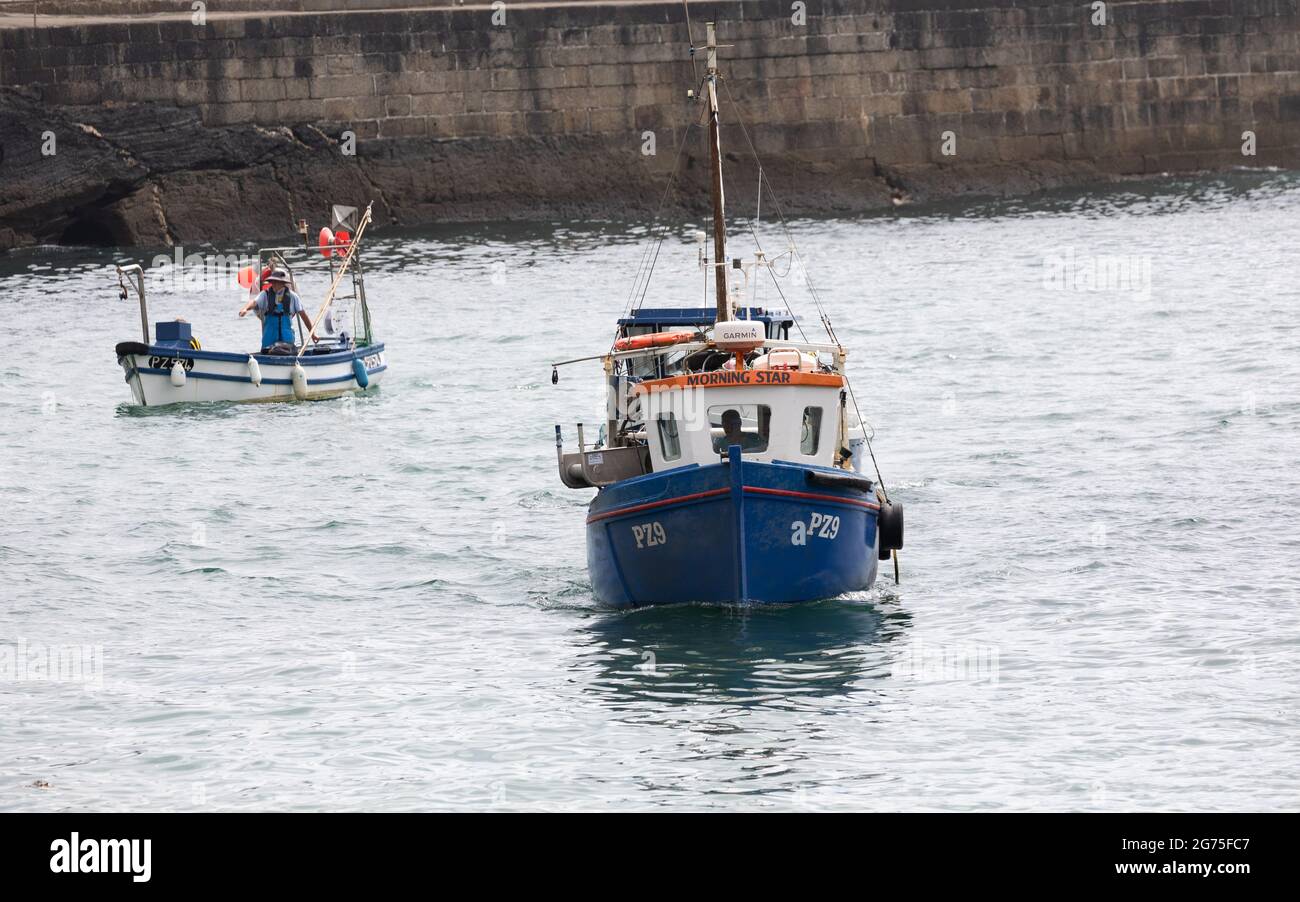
(773, 416)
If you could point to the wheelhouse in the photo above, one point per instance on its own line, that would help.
(679, 400)
(772, 415)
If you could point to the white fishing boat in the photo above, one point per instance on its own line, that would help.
(337, 355)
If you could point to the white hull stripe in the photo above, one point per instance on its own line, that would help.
(349, 376)
(187, 353)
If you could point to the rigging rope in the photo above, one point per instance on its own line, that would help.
(785, 226)
(826, 323)
(671, 182)
(645, 269)
(866, 438)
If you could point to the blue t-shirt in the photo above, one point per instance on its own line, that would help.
(277, 311)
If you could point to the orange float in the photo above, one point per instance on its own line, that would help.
(334, 243)
(653, 340)
(248, 277)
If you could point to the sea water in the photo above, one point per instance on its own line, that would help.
(1087, 402)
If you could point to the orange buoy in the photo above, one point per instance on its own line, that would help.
(653, 340)
(326, 242)
(248, 278)
(341, 238)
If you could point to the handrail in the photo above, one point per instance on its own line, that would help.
(135, 270)
(700, 346)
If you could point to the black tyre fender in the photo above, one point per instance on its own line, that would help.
(889, 528)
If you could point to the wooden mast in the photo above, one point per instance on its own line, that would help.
(715, 153)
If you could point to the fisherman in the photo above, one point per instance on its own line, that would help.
(276, 308)
(732, 433)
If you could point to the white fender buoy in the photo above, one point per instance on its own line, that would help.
(178, 374)
(254, 371)
(299, 382)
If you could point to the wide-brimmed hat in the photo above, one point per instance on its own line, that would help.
(279, 275)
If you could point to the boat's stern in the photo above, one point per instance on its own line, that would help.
(132, 356)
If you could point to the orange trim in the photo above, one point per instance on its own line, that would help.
(747, 378)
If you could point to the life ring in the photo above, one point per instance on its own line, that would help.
(653, 340)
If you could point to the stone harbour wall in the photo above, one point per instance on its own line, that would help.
(166, 130)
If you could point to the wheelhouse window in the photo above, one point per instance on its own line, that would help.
(810, 437)
(747, 425)
(669, 440)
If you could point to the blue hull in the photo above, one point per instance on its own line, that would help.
(736, 532)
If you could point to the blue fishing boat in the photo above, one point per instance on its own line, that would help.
(731, 465)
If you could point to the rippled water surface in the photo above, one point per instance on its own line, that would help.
(383, 603)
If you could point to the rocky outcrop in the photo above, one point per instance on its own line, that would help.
(145, 174)
(153, 174)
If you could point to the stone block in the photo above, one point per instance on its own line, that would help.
(336, 86)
